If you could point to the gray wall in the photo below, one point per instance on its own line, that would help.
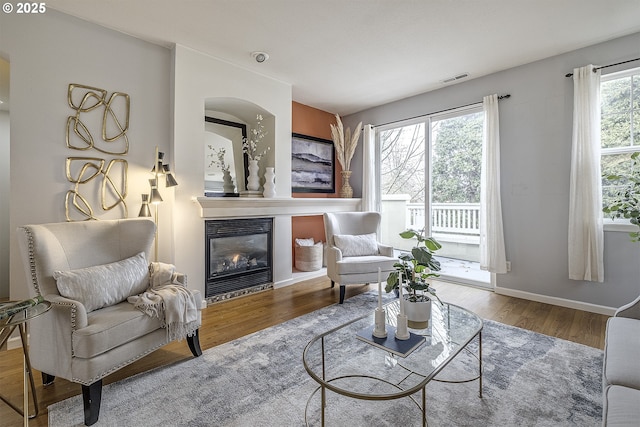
(535, 129)
(46, 53)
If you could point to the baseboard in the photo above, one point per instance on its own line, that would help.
(562, 302)
(14, 342)
(300, 276)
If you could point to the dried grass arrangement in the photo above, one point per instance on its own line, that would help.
(345, 142)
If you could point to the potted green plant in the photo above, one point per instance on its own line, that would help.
(626, 201)
(417, 268)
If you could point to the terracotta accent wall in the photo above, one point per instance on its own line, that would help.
(312, 122)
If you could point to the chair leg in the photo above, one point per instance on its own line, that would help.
(47, 379)
(342, 289)
(91, 396)
(194, 344)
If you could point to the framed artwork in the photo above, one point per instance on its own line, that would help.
(312, 164)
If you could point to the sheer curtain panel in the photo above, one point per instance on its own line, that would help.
(586, 236)
(369, 192)
(492, 250)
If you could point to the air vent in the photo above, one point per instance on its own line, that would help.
(454, 78)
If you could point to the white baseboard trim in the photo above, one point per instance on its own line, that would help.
(14, 342)
(300, 276)
(562, 302)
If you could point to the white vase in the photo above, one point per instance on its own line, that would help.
(227, 183)
(253, 180)
(269, 183)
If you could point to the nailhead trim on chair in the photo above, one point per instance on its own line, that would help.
(32, 262)
(115, 368)
(34, 280)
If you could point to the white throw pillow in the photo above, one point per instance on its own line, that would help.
(356, 245)
(305, 242)
(104, 285)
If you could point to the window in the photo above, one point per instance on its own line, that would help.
(620, 126)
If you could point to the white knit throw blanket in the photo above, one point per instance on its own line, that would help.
(170, 301)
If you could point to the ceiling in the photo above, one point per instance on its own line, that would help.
(345, 56)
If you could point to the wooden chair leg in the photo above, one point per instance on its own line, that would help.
(194, 344)
(91, 396)
(47, 379)
(342, 290)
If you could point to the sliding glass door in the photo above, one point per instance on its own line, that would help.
(430, 180)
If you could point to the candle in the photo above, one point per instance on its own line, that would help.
(401, 296)
(379, 289)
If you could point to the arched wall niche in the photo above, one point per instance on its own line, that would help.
(245, 112)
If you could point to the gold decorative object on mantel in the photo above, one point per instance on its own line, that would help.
(345, 143)
(92, 181)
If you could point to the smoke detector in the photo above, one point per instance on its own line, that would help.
(260, 57)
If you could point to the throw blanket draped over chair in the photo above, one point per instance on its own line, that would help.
(168, 299)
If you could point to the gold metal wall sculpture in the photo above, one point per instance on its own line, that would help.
(100, 123)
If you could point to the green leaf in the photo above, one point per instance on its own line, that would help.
(408, 234)
(432, 244)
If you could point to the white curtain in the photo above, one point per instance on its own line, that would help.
(492, 251)
(586, 236)
(369, 202)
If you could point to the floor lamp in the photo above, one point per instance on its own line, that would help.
(159, 168)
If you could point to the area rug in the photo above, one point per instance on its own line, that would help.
(259, 380)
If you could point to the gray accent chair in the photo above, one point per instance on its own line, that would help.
(350, 270)
(621, 370)
(70, 342)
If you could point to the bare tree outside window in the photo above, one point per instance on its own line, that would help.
(402, 161)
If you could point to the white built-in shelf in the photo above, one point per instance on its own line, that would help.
(229, 207)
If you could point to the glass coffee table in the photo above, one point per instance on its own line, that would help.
(8, 324)
(341, 363)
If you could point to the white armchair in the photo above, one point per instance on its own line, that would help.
(87, 270)
(354, 253)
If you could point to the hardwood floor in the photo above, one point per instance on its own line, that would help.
(232, 319)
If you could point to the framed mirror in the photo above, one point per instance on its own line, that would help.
(224, 160)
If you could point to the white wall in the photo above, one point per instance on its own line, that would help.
(535, 128)
(47, 52)
(198, 77)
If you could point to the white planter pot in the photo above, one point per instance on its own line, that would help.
(418, 313)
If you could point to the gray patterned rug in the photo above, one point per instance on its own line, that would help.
(259, 380)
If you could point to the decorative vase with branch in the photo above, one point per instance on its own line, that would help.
(250, 148)
(219, 162)
(345, 143)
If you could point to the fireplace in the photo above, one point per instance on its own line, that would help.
(239, 258)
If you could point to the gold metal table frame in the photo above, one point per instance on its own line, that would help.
(453, 324)
(7, 327)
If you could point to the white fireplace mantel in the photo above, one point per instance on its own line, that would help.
(233, 207)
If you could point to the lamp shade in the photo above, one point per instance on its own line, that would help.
(171, 181)
(144, 209)
(155, 196)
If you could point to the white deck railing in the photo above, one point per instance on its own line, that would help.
(446, 218)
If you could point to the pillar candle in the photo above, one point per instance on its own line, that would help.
(401, 296)
(379, 289)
